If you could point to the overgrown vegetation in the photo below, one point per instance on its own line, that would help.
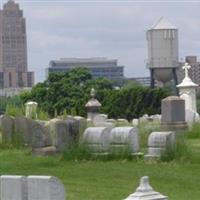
(69, 93)
(178, 152)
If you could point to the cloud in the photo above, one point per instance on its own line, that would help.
(115, 30)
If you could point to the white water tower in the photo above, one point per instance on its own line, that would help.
(162, 41)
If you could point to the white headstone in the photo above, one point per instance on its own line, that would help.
(13, 188)
(96, 138)
(135, 122)
(99, 119)
(31, 109)
(145, 192)
(45, 188)
(159, 143)
(124, 137)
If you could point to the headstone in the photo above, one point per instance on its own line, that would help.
(32, 133)
(96, 139)
(60, 134)
(31, 109)
(146, 192)
(173, 110)
(156, 118)
(7, 128)
(64, 133)
(13, 188)
(159, 143)
(82, 124)
(124, 138)
(45, 188)
(73, 126)
(122, 122)
(135, 122)
(101, 120)
(173, 114)
(40, 136)
(144, 119)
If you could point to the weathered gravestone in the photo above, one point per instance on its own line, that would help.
(100, 120)
(7, 127)
(81, 123)
(64, 133)
(124, 138)
(13, 188)
(45, 188)
(160, 143)
(122, 122)
(173, 114)
(32, 133)
(31, 188)
(96, 139)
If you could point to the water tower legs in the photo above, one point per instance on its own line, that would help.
(152, 78)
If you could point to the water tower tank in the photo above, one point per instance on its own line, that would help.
(162, 41)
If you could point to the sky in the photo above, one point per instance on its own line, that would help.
(114, 29)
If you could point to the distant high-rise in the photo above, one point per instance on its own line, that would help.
(98, 67)
(13, 48)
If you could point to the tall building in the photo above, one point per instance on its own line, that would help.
(98, 67)
(13, 48)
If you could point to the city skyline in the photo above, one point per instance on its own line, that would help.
(112, 29)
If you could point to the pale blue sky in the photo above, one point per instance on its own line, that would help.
(113, 29)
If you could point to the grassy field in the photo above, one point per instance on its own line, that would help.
(111, 180)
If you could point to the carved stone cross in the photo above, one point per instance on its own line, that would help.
(186, 67)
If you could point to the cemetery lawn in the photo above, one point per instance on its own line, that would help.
(110, 180)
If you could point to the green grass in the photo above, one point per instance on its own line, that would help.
(110, 180)
(90, 178)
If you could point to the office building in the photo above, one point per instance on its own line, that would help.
(98, 67)
(13, 48)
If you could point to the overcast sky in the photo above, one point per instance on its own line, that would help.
(113, 29)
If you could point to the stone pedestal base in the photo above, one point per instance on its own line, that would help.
(178, 127)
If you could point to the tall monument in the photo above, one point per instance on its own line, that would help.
(162, 40)
(13, 48)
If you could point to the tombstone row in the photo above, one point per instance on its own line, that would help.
(59, 133)
(31, 188)
(105, 139)
(51, 188)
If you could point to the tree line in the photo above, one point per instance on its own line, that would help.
(69, 92)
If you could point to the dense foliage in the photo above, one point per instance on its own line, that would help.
(69, 92)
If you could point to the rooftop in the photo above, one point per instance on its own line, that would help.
(163, 23)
